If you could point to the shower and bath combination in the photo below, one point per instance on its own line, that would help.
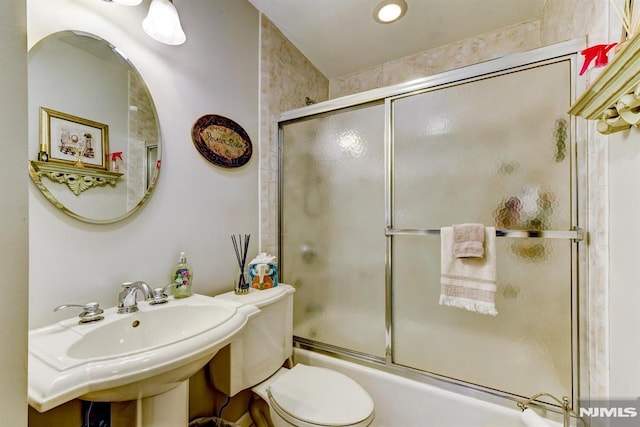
(366, 183)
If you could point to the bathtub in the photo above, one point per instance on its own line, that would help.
(402, 402)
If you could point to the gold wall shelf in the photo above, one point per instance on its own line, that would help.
(613, 99)
(77, 179)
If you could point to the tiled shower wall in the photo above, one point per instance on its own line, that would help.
(516, 38)
(142, 131)
(288, 77)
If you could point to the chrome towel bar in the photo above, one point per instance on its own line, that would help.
(576, 234)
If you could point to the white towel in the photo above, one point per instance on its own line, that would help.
(468, 240)
(468, 283)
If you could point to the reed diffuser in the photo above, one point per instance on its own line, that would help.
(241, 247)
(626, 15)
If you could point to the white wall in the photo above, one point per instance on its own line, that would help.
(196, 206)
(624, 235)
(13, 215)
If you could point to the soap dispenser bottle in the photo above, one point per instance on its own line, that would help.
(182, 278)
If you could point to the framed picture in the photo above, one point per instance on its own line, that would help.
(74, 140)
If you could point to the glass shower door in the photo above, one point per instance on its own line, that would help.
(332, 227)
(494, 151)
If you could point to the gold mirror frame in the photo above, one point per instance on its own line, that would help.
(77, 189)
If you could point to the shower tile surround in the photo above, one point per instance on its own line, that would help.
(141, 131)
(517, 38)
(287, 77)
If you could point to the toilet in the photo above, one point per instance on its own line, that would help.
(302, 396)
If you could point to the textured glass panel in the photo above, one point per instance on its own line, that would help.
(487, 152)
(493, 151)
(333, 242)
(523, 350)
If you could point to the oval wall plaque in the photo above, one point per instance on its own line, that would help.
(221, 141)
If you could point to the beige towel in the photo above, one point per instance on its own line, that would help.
(468, 283)
(468, 240)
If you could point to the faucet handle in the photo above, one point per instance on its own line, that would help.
(91, 311)
(159, 296)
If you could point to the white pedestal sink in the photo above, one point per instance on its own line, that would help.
(132, 356)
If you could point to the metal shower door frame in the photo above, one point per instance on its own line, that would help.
(566, 51)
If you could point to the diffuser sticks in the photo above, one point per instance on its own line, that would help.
(241, 247)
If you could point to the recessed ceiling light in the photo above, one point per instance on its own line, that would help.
(388, 11)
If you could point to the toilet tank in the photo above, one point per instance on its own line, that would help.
(264, 344)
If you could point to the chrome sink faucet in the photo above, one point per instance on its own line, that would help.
(127, 301)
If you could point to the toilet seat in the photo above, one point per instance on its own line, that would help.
(313, 396)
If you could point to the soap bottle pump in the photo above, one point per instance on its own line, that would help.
(182, 278)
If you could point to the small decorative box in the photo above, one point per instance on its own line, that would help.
(263, 271)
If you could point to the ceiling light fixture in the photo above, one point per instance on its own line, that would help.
(388, 11)
(163, 23)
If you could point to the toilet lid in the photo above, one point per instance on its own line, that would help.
(321, 396)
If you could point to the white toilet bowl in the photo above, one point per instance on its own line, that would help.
(303, 396)
(309, 396)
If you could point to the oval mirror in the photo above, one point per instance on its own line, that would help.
(94, 137)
